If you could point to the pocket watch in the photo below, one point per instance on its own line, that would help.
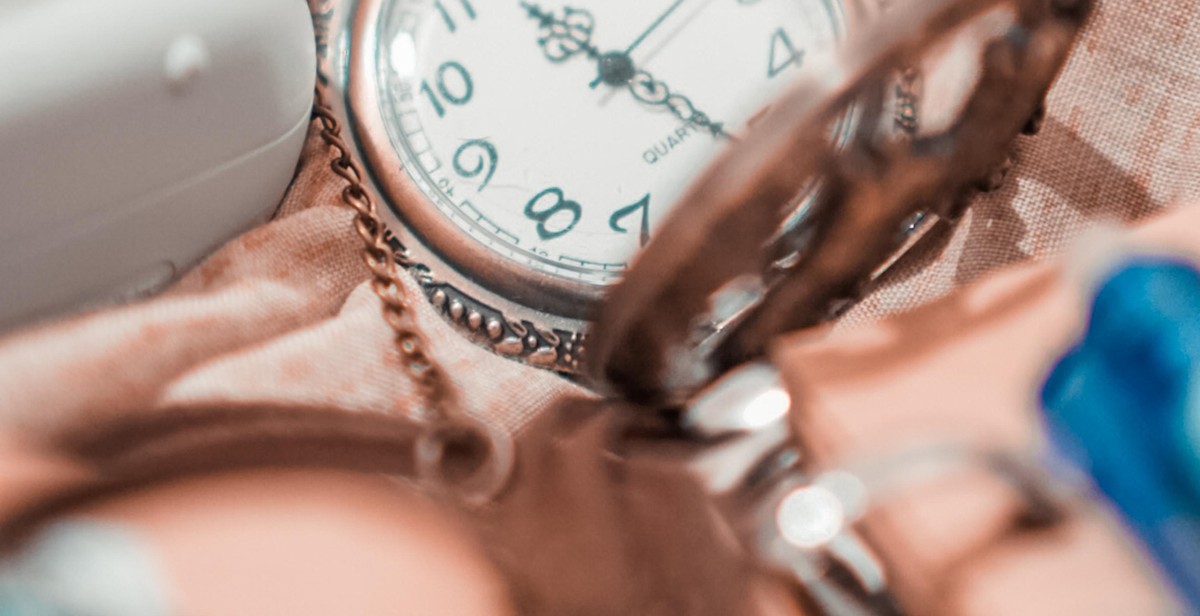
(527, 149)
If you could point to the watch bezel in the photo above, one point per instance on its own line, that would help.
(512, 309)
(539, 291)
(507, 328)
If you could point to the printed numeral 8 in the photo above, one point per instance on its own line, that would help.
(543, 216)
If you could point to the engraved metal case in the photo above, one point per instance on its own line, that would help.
(512, 309)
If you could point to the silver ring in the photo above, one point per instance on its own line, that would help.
(800, 522)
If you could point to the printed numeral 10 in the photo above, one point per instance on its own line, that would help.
(457, 94)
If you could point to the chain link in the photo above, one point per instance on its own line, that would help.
(384, 265)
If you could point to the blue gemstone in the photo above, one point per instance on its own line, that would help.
(1124, 406)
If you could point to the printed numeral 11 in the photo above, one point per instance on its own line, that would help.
(450, 23)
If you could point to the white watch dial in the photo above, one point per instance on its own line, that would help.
(558, 133)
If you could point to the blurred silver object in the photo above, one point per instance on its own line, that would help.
(798, 522)
(790, 523)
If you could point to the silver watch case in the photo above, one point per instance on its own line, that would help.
(518, 313)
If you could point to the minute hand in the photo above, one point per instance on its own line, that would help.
(654, 26)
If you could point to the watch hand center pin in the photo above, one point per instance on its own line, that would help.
(615, 69)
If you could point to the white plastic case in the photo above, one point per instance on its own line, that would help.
(138, 135)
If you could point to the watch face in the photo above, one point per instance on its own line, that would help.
(534, 145)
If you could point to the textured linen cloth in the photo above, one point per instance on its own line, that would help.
(1121, 141)
(280, 315)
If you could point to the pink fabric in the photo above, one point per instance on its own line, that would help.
(1121, 141)
(282, 315)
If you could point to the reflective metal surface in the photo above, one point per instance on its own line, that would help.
(516, 265)
(790, 524)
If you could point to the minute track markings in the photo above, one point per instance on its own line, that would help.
(611, 267)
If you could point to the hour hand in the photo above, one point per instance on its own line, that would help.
(653, 92)
(562, 37)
